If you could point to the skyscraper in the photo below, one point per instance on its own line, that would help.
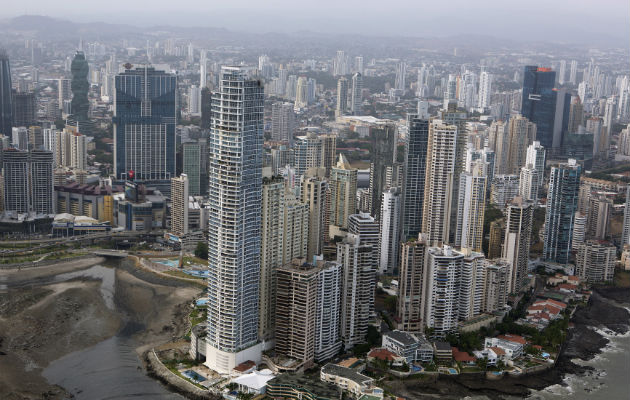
(521, 135)
(440, 170)
(401, 74)
(517, 240)
(307, 153)
(296, 311)
(415, 169)
(625, 235)
(282, 122)
(383, 155)
(343, 189)
(144, 124)
(179, 205)
(356, 98)
(389, 242)
(471, 208)
(6, 105)
(191, 166)
(411, 285)
(358, 285)
(485, 90)
(599, 216)
(314, 192)
(235, 193)
(562, 200)
(536, 158)
(595, 261)
(328, 314)
(272, 252)
(342, 96)
(539, 102)
(444, 266)
(528, 183)
(28, 181)
(80, 87)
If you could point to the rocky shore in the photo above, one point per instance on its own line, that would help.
(606, 310)
(49, 312)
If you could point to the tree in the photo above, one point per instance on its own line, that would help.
(201, 251)
(390, 303)
(373, 336)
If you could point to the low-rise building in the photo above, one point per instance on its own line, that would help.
(512, 349)
(383, 354)
(410, 346)
(348, 380)
(254, 382)
(300, 387)
(443, 352)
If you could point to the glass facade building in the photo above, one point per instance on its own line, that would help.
(415, 170)
(6, 108)
(539, 102)
(144, 124)
(562, 201)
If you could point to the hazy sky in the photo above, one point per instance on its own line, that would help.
(538, 19)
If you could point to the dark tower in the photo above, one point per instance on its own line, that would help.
(6, 108)
(80, 87)
(539, 102)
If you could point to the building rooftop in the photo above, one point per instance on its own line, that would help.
(348, 373)
(405, 338)
(442, 346)
(315, 386)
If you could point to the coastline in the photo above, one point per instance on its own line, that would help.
(585, 341)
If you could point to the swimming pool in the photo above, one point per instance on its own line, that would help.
(192, 375)
(167, 262)
(452, 371)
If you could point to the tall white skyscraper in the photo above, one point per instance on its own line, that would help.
(485, 90)
(536, 158)
(179, 205)
(625, 237)
(235, 194)
(194, 100)
(389, 231)
(528, 183)
(444, 266)
(516, 244)
(573, 72)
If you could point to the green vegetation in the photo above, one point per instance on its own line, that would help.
(201, 251)
(390, 303)
(622, 278)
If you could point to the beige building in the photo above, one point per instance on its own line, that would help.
(411, 283)
(179, 205)
(516, 245)
(343, 189)
(595, 261)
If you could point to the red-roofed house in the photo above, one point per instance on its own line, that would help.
(382, 354)
(463, 357)
(513, 338)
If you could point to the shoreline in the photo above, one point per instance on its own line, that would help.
(585, 341)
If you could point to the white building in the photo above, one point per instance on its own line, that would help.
(389, 243)
(442, 295)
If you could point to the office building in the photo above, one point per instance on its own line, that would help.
(282, 122)
(358, 285)
(80, 87)
(194, 101)
(144, 124)
(401, 74)
(414, 177)
(389, 242)
(179, 205)
(24, 109)
(411, 295)
(6, 98)
(562, 200)
(191, 166)
(538, 103)
(595, 261)
(517, 241)
(139, 208)
(444, 266)
(343, 189)
(94, 201)
(234, 222)
(440, 170)
(383, 156)
(28, 181)
(19, 138)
